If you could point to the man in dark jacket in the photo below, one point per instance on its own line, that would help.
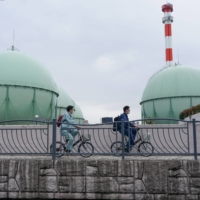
(130, 129)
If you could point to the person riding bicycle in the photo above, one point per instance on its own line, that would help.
(130, 129)
(67, 128)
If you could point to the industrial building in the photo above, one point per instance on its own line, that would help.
(27, 90)
(172, 89)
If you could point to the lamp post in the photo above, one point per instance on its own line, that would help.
(36, 118)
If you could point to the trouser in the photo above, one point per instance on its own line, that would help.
(131, 133)
(69, 135)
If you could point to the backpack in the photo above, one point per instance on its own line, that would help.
(59, 121)
(115, 124)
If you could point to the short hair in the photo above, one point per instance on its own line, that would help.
(126, 108)
(69, 108)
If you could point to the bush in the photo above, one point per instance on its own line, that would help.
(150, 121)
(189, 111)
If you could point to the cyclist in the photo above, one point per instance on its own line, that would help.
(67, 128)
(130, 129)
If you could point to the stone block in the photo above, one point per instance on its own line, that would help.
(139, 169)
(118, 196)
(174, 165)
(77, 196)
(160, 197)
(3, 187)
(71, 167)
(177, 173)
(194, 185)
(71, 184)
(139, 187)
(101, 184)
(108, 168)
(27, 176)
(45, 195)
(48, 184)
(178, 186)
(91, 171)
(155, 177)
(193, 168)
(93, 196)
(23, 195)
(125, 168)
(13, 167)
(12, 185)
(46, 164)
(176, 197)
(191, 197)
(4, 167)
(3, 179)
(3, 195)
(144, 197)
(126, 184)
(48, 172)
(92, 163)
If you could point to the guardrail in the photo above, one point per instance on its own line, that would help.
(166, 139)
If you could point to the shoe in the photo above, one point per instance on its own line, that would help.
(127, 150)
(67, 151)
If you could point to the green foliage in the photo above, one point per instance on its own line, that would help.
(150, 121)
(189, 111)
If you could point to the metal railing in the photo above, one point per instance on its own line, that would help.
(166, 139)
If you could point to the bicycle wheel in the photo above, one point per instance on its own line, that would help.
(86, 149)
(59, 149)
(145, 149)
(116, 148)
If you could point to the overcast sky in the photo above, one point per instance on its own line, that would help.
(102, 52)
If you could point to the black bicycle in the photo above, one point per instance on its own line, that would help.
(144, 148)
(85, 148)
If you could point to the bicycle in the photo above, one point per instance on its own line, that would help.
(85, 149)
(144, 148)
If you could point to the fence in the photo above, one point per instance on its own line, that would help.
(166, 139)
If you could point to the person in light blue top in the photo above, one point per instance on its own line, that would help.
(67, 129)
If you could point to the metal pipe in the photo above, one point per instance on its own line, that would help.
(122, 130)
(194, 138)
(54, 140)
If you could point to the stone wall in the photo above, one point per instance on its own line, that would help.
(102, 179)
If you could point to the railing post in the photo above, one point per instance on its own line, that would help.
(54, 140)
(194, 138)
(122, 130)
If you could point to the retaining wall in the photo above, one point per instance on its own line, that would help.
(100, 179)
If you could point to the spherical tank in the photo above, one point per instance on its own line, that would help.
(26, 88)
(78, 115)
(65, 100)
(170, 91)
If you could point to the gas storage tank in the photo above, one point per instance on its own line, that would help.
(26, 88)
(65, 100)
(169, 92)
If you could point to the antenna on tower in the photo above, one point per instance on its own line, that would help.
(13, 44)
(13, 37)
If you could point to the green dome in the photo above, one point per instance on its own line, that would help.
(21, 70)
(172, 82)
(65, 100)
(170, 91)
(26, 88)
(78, 115)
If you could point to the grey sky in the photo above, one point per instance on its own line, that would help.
(102, 52)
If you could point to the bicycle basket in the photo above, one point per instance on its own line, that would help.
(85, 139)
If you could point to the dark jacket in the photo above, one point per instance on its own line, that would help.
(127, 124)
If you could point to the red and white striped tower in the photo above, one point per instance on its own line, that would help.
(167, 20)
